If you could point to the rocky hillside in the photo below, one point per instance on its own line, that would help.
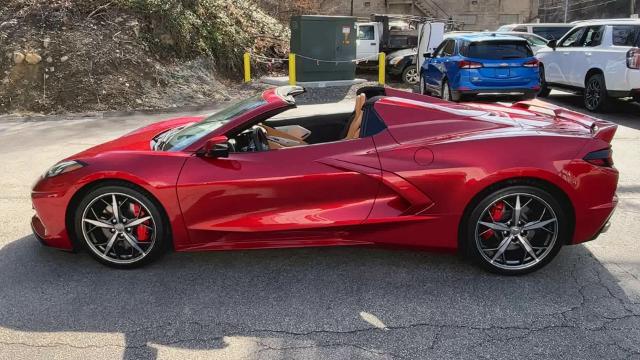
(93, 55)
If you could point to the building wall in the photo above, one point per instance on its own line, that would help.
(554, 10)
(476, 14)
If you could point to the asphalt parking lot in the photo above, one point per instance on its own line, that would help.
(330, 303)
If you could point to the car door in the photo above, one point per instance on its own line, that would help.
(284, 196)
(568, 54)
(583, 57)
(367, 42)
(436, 67)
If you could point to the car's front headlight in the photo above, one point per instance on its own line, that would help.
(395, 60)
(63, 167)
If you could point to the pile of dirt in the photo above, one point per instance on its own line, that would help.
(97, 55)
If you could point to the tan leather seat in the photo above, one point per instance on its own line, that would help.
(274, 134)
(356, 123)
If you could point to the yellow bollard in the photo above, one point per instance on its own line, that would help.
(247, 67)
(292, 69)
(382, 64)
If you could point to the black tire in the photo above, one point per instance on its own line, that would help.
(470, 241)
(446, 93)
(544, 88)
(423, 87)
(595, 94)
(410, 75)
(526, 97)
(162, 238)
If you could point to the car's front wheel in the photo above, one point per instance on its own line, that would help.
(515, 230)
(423, 87)
(410, 75)
(121, 226)
(595, 93)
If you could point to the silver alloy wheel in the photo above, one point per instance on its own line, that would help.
(411, 76)
(523, 234)
(112, 224)
(593, 94)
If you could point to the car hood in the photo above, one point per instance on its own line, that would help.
(404, 52)
(137, 140)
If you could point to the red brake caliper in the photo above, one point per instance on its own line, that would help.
(142, 233)
(497, 212)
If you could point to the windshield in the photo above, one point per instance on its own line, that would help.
(194, 132)
(551, 32)
(498, 50)
(534, 41)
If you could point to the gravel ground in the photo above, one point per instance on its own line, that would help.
(330, 303)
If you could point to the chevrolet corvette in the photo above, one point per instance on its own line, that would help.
(505, 185)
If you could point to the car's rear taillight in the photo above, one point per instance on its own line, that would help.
(602, 157)
(633, 58)
(466, 64)
(532, 63)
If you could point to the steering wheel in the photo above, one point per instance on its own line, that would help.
(259, 138)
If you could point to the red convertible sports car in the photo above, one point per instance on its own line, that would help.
(505, 185)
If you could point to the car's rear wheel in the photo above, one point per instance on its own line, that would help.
(121, 226)
(544, 88)
(410, 75)
(528, 96)
(595, 93)
(447, 94)
(515, 230)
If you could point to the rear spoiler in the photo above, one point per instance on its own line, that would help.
(599, 129)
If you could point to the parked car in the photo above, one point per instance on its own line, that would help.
(549, 31)
(479, 63)
(536, 42)
(599, 59)
(403, 64)
(495, 181)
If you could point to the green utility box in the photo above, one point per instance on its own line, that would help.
(331, 38)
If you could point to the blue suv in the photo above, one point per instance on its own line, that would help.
(472, 64)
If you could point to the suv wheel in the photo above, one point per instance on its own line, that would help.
(446, 93)
(423, 87)
(595, 93)
(544, 88)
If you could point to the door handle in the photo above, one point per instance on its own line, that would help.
(565, 53)
(588, 54)
(372, 43)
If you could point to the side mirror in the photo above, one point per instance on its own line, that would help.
(216, 147)
(552, 44)
(427, 55)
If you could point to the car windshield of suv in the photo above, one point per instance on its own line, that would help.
(551, 32)
(534, 40)
(498, 50)
(194, 132)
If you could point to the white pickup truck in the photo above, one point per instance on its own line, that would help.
(599, 59)
(372, 38)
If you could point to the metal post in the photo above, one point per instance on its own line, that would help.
(247, 67)
(566, 9)
(351, 8)
(292, 69)
(382, 62)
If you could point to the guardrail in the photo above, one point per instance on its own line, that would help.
(382, 62)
